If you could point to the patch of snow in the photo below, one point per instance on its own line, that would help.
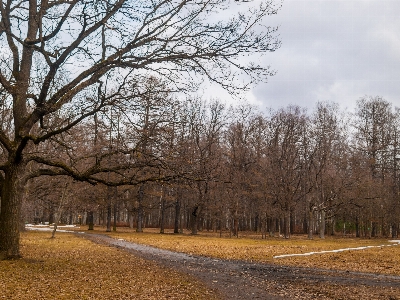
(46, 228)
(338, 250)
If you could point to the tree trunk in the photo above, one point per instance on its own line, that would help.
(130, 219)
(115, 196)
(11, 203)
(90, 220)
(139, 227)
(115, 217)
(177, 214)
(394, 231)
(322, 225)
(194, 220)
(108, 217)
(357, 227)
(370, 229)
(162, 215)
(236, 226)
(287, 224)
(310, 224)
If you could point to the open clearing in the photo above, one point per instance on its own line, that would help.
(244, 268)
(69, 267)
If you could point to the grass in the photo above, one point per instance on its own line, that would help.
(382, 260)
(69, 267)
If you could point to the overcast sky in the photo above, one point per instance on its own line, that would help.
(333, 50)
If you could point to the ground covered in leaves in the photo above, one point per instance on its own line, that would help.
(69, 267)
(380, 260)
(238, 279)
(235, 268)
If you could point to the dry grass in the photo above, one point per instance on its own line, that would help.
(69, 267)
(383, 260)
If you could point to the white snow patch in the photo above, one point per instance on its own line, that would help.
(396, 242)
(41, 227)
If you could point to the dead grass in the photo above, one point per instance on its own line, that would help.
(382, 260)
(69, 267)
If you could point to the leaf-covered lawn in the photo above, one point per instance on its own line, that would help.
(383, 260)
(69, 267)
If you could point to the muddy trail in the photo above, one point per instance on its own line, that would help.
(246, 280)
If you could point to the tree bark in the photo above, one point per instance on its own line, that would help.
(322, 225)
(115, 217)
(394, 231)
(139, 227)
(194, 220)
(357, 227)
(162, 216)
(90, 220)
(177, 214)
(11, 203)
(287, 224)
(108, 217)
(310, 224)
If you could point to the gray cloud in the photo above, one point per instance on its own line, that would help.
(337, 50)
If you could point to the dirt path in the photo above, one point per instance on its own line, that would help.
(245, 280)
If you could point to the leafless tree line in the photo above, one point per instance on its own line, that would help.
(201, 165)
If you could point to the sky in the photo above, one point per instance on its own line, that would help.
(333, 50)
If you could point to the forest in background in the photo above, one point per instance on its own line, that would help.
(151, 160)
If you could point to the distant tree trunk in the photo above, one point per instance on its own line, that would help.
(310, 223)
(162, 215)
(322, 225)
(287, 224)
(194, 219)
(177, 214)
(90, 220)
(51, 214)
(58, 213)
(264, 226)
(139, 227)
(115, 196)
(370, 229)
(394, 231)
(357, 226)
(108, 217)
(236, 226)
(108, 209)
(115, 217)
(182, 219)
(53, 233)
(271, 226)
(130, 219)
(278, 221)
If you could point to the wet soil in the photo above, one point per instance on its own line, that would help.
(246, 280)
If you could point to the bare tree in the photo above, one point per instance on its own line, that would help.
(287, 160)
(324, 146)
(108, 43)
(375, 139)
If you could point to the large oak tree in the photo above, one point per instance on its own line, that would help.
(62, 61)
